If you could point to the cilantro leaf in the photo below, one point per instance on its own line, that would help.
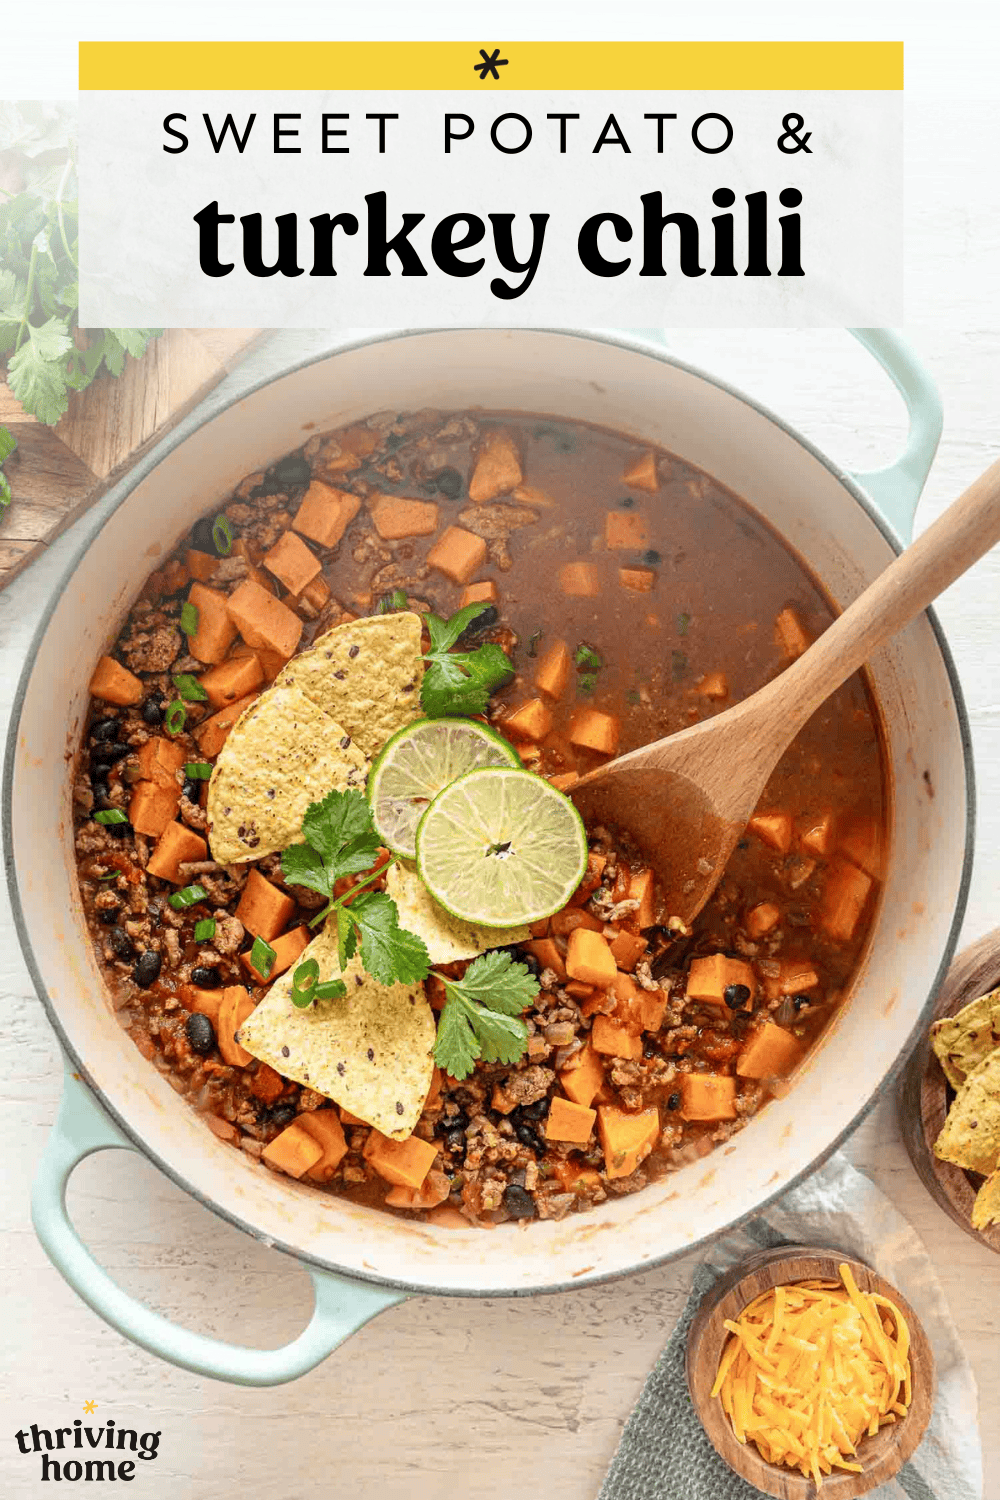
(301, 865)
(460, 682)
(502, 1038)
(497, 980)
(340, 818)
(347, 937)
(36, 378)
(444, 633)
(389, 953)
(482, 1014)
(456, 1048)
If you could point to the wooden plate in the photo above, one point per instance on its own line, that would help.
(924, 1094)
(882, 1455)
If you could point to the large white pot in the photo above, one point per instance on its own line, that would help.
(824, 516)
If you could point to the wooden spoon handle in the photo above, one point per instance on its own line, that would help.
(957, 539)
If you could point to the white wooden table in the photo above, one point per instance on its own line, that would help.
(437, 1398)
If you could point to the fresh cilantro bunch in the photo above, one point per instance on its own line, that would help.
(341, 840)
(460, 682)
(47, 354)
(482, 1014)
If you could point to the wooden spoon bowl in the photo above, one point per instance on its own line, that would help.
(925, 1094)
(882, 1456)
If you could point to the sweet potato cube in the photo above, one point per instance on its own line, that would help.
(707, 1096)
(235, 1008)
(324, 1126)
(653, 1007)
(861, 842)
(569, 1121)
(641, 888)
(325, 513)
(588, 958)
(201, 565)
(292, 562)
(271, 662)
(403, 1163)
(592, 729)
(627, 949)
(216, 628)
(563, 781)
(762, 919)
(790, 634)
(434, 1092)
(584, 1083)
(637, 580)
(212, 733)
(709, 978)
(844, 896)
(818, 839)
(769, 1052)
(641, 473)
(626, 1139)
(205, 1002)
(316, 594)
(152, 806)
(591, 879)
(397, 516)
(562, 923)
(176, 845)
(160, 759)
(553, 669)
(626, 529)
(548, 955)
(568, 1172)
(287, 948)
(714, 685)
(264, 910)
(457, 554)
(532, 721)
(479, 593)
(266, 1084)
(497, 469)
(773, 829)
(346, 1118)
(613, 1040)
(113, 683)
(294, 1151)
(628, 1003)
(262, 620)
(232, 679)
(579, 580)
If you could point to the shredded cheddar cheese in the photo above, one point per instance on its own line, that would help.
(810, 1369)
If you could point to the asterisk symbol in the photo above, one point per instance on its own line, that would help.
(489, 64)
(90, 1407)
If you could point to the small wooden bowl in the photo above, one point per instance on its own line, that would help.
(882, 1455)
(925, 1094)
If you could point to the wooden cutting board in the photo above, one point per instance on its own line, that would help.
(58, 472)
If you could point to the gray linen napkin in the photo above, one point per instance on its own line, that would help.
(664, 1453)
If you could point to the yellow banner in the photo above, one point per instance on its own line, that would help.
(371, 66)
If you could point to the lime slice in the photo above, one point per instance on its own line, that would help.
(501, 846)
(417, 763)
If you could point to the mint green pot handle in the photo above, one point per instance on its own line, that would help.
(341, 1306)
(896, 489)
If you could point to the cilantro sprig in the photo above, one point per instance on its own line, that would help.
(481, 1017)
(340, 839)
(460, 682)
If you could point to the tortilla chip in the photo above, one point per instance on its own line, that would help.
(971, 1134)
(966, 1039)
(371, 1052)
(448, 938)
(282, 754)
(372, 692)
(986, 1209)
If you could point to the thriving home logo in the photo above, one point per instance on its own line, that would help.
(58, 1444)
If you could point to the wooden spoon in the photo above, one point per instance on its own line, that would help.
(686, 799)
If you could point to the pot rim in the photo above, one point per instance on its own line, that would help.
(158, 456)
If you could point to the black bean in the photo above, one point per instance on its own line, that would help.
(455, 1141)
(519, 956)
(736, 995)
(152, 710)
(627, 503)
(200, 1033)
(449, 482)
(147, 969)
(108, 915)
(283, 1113)
(192, 789)
(743, 844)
(479, 625)
(650, 1048)
(118, 830)
(102, 730)
(651, 557)
(518, 1202)
(204, 977)
(534, 1112)
(292, 470)
(674, 1102)
(201, 535)
(457, 1122)
(121, 943)
(801, 1001)
(107, 755)
(100, 790)
(528, 1138)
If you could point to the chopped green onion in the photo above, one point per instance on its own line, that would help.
(533, 643)
(189, 618)
(586, 682)
(331, 989)
(189, 688)
(111, 815)
(222, 535)
(262, 957)
(396, 600)
(304, 983)
(189, 895)
(683, 621)
(112, 875)
(198, 770)
(175, 717)
(586, 656)
(204, 930)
